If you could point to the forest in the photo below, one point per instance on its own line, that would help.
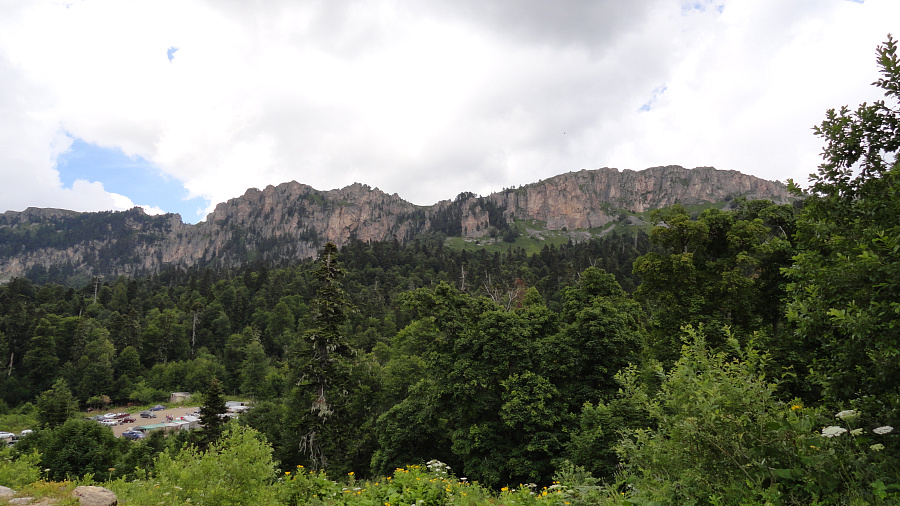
(746, 355)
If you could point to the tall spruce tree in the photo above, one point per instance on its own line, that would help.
(319, 364)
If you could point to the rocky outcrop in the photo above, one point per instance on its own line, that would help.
(293, 220)
(95, 496)
(591, 199)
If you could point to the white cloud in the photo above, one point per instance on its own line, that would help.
(425, 99)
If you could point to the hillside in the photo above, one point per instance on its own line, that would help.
(292, 221)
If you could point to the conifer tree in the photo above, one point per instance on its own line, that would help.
(319, 363)
(56, 405)
(211, 413)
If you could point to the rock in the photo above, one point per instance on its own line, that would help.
(46, 501)
(6, 492)
(95, 496)
(293, 221)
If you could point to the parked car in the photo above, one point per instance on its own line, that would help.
(26, 432)
(5, 435)
(128, 420)
(109, 422)
(158, 407)
(133, 434)
(147, 414)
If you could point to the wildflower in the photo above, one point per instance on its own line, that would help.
(832, 431)
(287, 473)
(877, 447)
(856, 432)
(795, 407)
(882, 430)
(845, 414)
(504, 489)
(350, 473)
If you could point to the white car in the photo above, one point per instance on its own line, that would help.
(6, 435)
(109, 423)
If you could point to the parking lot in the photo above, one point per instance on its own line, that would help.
(160, 418)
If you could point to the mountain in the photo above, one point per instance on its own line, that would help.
(293, 221)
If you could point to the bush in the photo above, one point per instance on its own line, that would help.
(724, 437)
(237, 469)
(74, 449)
(16, 472)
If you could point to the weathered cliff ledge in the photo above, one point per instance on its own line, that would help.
(293, 220)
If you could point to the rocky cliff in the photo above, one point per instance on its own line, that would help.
(293, 221)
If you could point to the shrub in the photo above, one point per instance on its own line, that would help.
(724, 437)
(18, 472)
(237, 469)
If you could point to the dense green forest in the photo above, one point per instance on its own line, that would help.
(746, 355)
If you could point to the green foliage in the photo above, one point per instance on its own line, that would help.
(723, 436)
(720, 269)
(844, 287)
(212, 412)
(19, 470)
(430, 484)
(237, 469)
(600, 428)
(500, 388)
(254, 370)
(56, 405)
(74, 449)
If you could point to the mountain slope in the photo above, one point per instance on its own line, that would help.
(293, 220)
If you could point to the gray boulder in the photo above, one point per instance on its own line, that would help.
(95, 496)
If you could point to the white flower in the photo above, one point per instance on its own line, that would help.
(845, 414)
(856, 432)
(877, 447)
(883, 430)
(832, 431)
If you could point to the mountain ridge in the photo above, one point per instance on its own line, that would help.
(293, 220)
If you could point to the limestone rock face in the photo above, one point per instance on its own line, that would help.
(586, 199)
(293, 221)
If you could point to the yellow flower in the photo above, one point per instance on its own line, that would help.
(795, 407)
(504, 489)
(287, 472)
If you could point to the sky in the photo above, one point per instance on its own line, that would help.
(175, 106)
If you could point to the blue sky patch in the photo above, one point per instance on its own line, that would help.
(702, 6)
(657, 92)
(133, 177)
(170, 53)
